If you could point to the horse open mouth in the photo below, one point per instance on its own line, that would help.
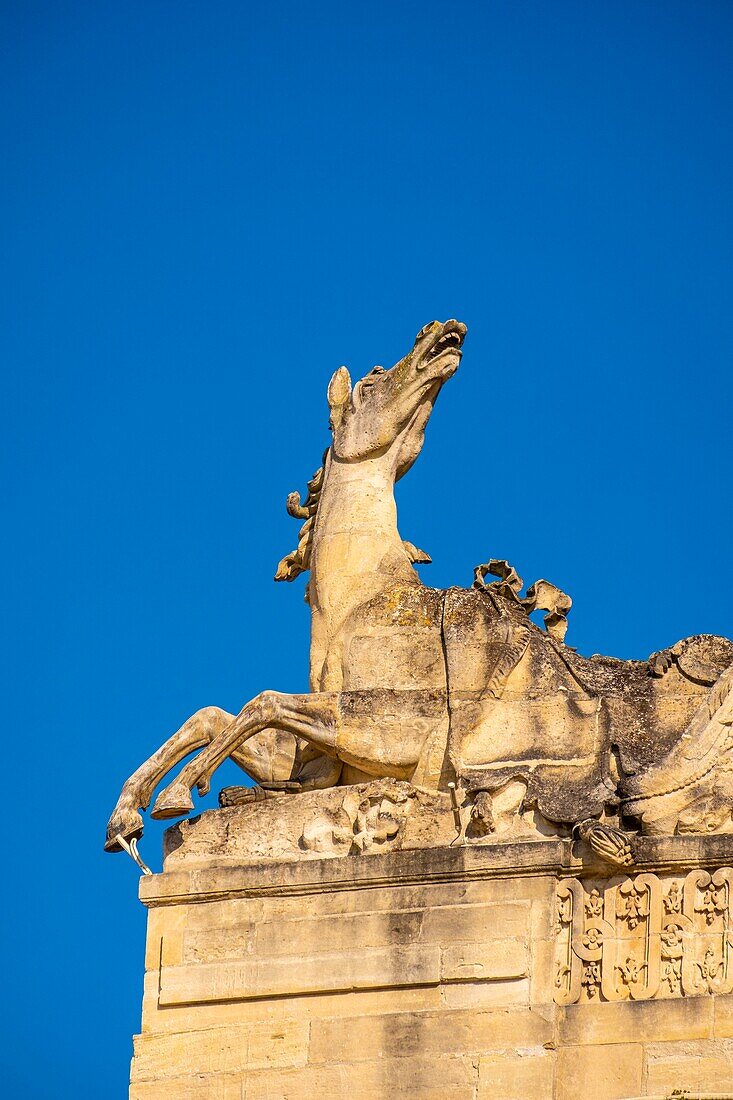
(447, 340)
(450, 340)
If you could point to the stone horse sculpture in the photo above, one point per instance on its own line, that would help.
(454, 690)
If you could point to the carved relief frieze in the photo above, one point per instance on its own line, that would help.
(644, 936)
(365, 820)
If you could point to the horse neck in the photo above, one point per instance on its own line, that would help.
(357, 552)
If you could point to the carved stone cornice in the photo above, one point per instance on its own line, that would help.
(555, 858)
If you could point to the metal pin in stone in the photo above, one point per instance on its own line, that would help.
(131, 848)
(456, 807)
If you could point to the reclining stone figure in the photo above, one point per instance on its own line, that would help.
(456, 687)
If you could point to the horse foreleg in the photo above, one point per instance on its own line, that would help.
(314, 717)
(266, 759)
(137, 791)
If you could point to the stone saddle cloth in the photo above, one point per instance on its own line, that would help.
(523, 705)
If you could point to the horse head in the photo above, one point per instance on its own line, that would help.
(385, 413)
(381, 418)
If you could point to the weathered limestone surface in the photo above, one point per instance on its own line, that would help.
(475, 862)
(521, 969)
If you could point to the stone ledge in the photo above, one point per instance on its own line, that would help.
(374, 968)
(400, 868)
(518, 858)
(346, 969)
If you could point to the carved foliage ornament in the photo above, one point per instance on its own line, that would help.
(638, 938)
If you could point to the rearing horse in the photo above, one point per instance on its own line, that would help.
(377, 705)
(460, 685)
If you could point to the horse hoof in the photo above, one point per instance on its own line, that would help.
(174, 801)
(125, 823)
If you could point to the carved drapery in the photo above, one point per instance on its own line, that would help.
(644, 936)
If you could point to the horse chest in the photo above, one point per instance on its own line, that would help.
(392, 641)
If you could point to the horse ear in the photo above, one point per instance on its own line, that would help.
(339, 388)
(339, 392)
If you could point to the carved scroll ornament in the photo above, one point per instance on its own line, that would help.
(540, 596)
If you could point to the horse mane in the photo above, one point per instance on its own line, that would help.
(298, 561)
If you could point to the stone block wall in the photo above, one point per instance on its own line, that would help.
(504, 971)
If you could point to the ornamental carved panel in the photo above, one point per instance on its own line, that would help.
(644, 936)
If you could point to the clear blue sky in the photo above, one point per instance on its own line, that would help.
(206, 208)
